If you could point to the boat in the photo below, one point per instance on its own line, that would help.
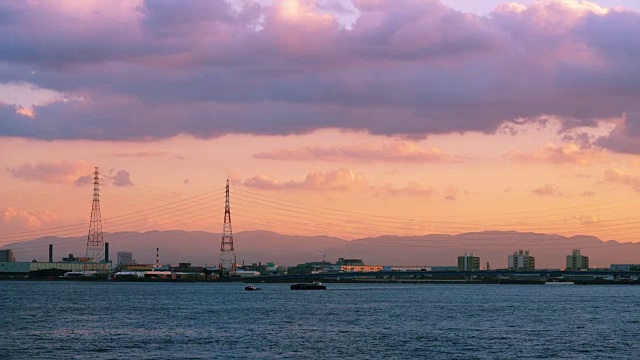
(559, 283)
(316, 285)
(251, 288)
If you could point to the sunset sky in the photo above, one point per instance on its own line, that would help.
(347, 118)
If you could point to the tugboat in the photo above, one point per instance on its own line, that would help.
(251, 288)
(316, 285)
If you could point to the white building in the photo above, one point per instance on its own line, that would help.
(576, 261)
(522, 261)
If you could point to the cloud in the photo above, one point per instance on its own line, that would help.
(400, 151)
(122, 178)
(295, 67)
(84, 180)
(552, 154)
(587, 220)
(616, 176)
(451, 192)
(625, 137)
(588, 194)
(14, 220)
(63, 172)
(345, 180)
(547, 190)
(146, 154)
(411, 189)
(336, 180)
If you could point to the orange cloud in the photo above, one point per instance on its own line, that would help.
(336, 180)
(567, 154)
(404, 151)
(26, 112)
(587, 220)
(412, 189)
(451, 192)
(621, 177)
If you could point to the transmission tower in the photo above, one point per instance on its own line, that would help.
(227, 257)
(95, 240)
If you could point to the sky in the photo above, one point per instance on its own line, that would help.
(347, 118)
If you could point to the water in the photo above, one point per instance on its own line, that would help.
(82, 320)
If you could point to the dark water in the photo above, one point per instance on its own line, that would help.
(64, 320)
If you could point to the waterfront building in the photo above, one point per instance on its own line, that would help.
(308, 268)
(7, 256)
(444, 268)
(74, 259)
(360, 268)
(125, 258)
(468, 262)
(625, 267)
(522, 261)
(350, 262)
(576, 261)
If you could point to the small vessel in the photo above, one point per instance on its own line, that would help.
(251, 288)
(559, 283)
(316, 285)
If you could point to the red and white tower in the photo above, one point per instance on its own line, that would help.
(227, 256)
(95, 240)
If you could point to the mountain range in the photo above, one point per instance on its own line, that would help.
(202, 248)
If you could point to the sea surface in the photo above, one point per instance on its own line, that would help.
(115, 320)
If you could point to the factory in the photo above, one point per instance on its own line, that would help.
(9, 268)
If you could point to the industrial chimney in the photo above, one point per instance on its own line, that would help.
(106, 253)
(50, 253)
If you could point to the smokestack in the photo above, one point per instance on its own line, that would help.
(106, 253)
(50, 253)
(157, 257)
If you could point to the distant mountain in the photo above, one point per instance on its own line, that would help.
(202, 248)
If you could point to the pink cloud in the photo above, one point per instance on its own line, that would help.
(64, 172)
(401, 151)
(147, 154)
(122, 179)
(547, 190)
(14, 220)
(336, 180)
(412, 70)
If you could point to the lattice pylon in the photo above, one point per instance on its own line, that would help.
(227, 255)
(95, 239)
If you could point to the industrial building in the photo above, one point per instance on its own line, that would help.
(576, 261)
(468, 262)
(124, 258)
(7, 256)
(53, 268)
(521, 261)
(342, 265)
